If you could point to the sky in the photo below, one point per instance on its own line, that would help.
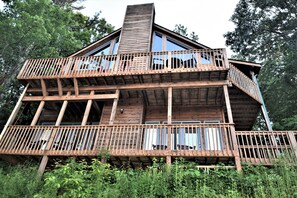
(207, 18)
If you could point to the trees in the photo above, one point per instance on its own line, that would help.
(266, 31)
(38, 29)
(182, 30)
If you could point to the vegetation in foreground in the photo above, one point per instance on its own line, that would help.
(80, 179)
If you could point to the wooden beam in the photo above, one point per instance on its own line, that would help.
(169, 121)
(263, 107)
(169, 110)
(60, 88)
(42, 165)
(75, 85)
(37, 114)
(44, 160)
(233, 135)
(87, 111)
(228, 105)
(43, 87)
(70, 97)
(144, 86)
(14, 111)
(114, 108)
(62, 111)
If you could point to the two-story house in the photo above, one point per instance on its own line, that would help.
(139, 93)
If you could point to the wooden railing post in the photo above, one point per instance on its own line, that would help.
(226, 62)
(169, 121)
(198, 58)
(233, 135)
(117, 63)
(169, 61)
(293, 142)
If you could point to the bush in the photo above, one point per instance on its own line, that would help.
(82, 179)
(19, 181)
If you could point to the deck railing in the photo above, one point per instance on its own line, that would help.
(265, 147)
(121, 64)
(244, 83)
(35, 140)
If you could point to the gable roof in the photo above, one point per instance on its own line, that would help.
(246, 65)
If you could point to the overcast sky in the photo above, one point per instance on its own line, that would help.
(208, 18)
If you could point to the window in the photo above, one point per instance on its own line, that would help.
(184, 137)
(172, 45)
(157, 42)
(152, 137)
(103, 51)
(105, 63)
(108, 48)
(213, 137)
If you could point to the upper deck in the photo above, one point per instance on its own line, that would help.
(125, 64)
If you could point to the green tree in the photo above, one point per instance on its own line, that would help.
(266, 31)
(182, 30)
(39, 29)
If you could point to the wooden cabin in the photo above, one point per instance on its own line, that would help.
(139, 93)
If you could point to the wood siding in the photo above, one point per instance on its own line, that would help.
(189, 113)
(132, 112)
(137, 29)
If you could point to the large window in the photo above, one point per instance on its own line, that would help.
(184, 136)
(163, 42)
(108, 48)
(101, 64)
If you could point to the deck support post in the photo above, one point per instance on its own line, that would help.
(233, 135)
(14, 111)
(111, 121)
(87, 111)
(114, 108)
(38, 112)
(263, 107)
(44, 160)
(169, 121)
(42, 165)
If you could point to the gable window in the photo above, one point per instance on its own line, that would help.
(106, 62)
(108, 48)
(172, 45)
(163, 42)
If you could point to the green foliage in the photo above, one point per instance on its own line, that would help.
(266, 31)
(182, 179)
(39, 29)
(182, 30)
(18, 181)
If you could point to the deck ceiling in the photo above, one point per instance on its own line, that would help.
(244, 109)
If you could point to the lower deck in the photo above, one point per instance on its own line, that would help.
(140, 144)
